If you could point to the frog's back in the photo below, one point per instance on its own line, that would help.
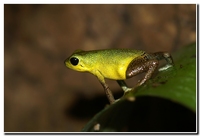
(113, 53)
(112, 62)
(121, 53)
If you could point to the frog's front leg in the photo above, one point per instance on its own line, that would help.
(108, 93)
(123, 85)
(106, 87)
(141, 65)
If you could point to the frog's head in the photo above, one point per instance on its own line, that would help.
(77, 61)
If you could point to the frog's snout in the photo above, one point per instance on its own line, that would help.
(65, 62)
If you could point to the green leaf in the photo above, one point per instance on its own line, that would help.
(175, 86)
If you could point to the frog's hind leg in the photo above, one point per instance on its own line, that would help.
(161, 56)
(140, 65)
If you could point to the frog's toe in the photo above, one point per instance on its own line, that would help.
(128, 90)
(165, 67)
(117, 100)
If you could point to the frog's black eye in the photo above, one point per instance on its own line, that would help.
(74, 61)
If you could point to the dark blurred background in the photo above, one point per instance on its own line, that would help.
(40, 93)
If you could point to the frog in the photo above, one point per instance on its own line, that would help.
(119, 65)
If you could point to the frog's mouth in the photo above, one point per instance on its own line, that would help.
(66, 61)
(79, 67)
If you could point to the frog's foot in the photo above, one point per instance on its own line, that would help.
(117, 100)
(165, 67)
(127, 89)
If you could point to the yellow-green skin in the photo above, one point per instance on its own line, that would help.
(110, 63)
(117, 64)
